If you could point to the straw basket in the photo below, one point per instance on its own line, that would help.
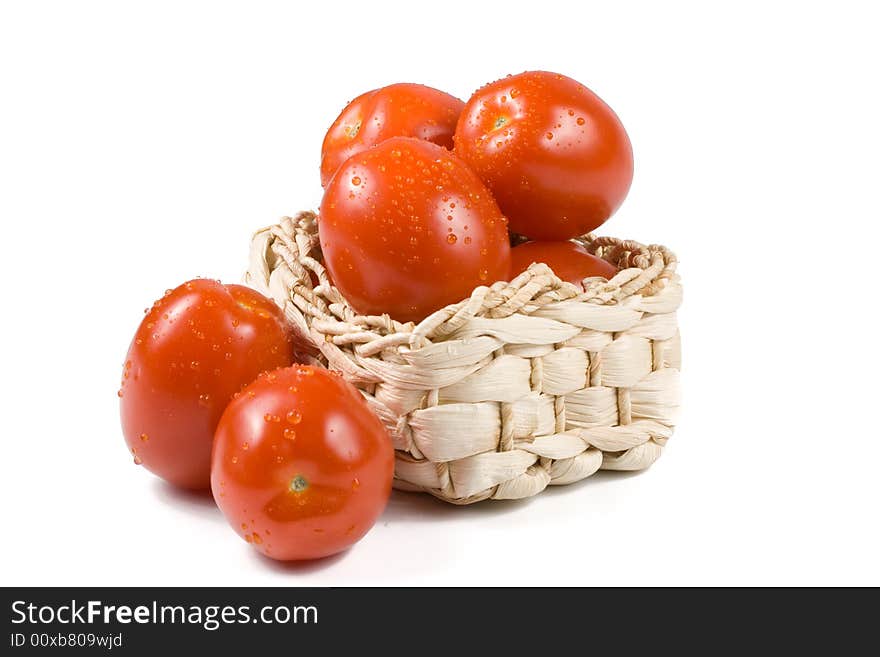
(522, 385)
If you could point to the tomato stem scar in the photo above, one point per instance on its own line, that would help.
(298, 484)
(352, 130)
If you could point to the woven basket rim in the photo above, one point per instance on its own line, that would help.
(644, 271)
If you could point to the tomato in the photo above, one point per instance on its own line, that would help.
(398, 110)
(554, 155)
(407, 228)
(196, 347)
(301, 466)
(569, 261)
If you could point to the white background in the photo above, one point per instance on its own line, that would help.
(142, 143)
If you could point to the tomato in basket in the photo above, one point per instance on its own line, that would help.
(195, 348)
(302, 468)
(569, 261)
(555, 156)
(398, 110)
(407, 228)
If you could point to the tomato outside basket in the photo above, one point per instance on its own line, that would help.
(522, 385)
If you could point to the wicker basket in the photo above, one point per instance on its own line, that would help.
(523, 385)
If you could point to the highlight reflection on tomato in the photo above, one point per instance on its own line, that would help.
(301, 467)
(555, 156)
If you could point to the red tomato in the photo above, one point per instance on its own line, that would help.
(398, 110)
(554, 155)
(407, 228)
(301, 466)
(196, 347)
(569, 261)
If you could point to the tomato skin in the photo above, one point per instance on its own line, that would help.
(195, 348)
(302, 468)
(569, 261)
(555, 156)
(407, 228)
(398, 110)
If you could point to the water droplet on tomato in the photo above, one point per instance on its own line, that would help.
(144, 437)
(549, 135)
(484, 274)
(451, 238)
(580, 120)
(289, 434)
(294, 417)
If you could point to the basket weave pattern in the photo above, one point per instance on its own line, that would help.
(522, 385)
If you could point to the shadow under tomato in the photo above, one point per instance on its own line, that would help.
(406, 507)
(201, 502)
(303, 567)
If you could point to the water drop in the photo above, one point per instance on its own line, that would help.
(294, 417)
(451, 238)
(549, 135)
(144, 437)
(580, 120)
(290, 434)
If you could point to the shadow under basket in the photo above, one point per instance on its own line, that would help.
(522, 385)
